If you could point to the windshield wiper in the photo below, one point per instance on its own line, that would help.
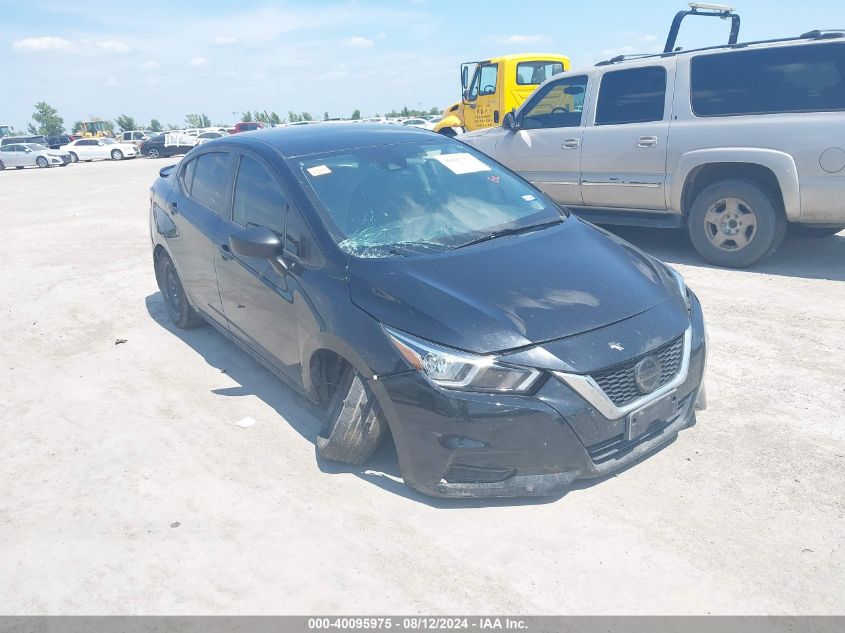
(511, 231)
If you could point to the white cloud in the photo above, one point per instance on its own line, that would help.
(149, 65)
(225, 40)
(649, 38)
(356, 41)
(519, 39)
(198, 62)
(44, 44)
(112, 46)
(61, 45)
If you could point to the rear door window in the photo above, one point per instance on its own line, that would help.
(209, 182)
(259, 200)
(809, 78)
(636, 95)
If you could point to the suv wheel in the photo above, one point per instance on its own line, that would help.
(735, 223)
(178, 307)
(808, 230)
(116, 154)
(352, 428)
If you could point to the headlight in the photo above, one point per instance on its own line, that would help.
(682, 286)
(454, 369)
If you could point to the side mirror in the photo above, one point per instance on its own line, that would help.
(255, 241)
(510, 122)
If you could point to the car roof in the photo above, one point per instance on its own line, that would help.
(301, 140)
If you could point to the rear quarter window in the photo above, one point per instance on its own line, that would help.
(768, 81)
(209, 182)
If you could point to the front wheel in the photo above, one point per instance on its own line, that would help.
(116, 154)
(74, 158)
(735, 223)
(808, 230)
(42, 162)
(353, 426)
(176, 302)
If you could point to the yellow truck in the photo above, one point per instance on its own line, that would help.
(497, 86)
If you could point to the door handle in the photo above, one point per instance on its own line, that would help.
(647, 141)
(570, 143)
(174, 208)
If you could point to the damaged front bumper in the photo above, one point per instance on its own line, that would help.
(462, 444)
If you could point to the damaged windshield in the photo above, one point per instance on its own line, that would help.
(421, 197)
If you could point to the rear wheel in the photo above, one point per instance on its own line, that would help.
(154, 153)
(808, 230)
(735, 223)
(176, 302)
(116, 154)
(42, 162)
(353, 425)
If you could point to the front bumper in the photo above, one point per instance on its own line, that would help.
(461, 444)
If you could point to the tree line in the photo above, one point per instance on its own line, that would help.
(46, 120)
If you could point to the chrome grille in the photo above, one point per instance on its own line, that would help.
(618, 384)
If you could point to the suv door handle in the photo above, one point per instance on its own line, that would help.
(570, 143)
(647, 141)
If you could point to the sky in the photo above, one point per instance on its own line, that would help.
(164, 59)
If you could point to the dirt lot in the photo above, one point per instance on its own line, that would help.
(126, 487)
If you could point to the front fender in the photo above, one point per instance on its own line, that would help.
(779, 163)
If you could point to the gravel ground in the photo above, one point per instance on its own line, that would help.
(126, 487)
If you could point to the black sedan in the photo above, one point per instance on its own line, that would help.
(167, 144)
(405, 282)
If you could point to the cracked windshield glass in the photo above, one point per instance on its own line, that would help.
(413, 198)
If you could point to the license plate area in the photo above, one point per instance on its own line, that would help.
(638, 421)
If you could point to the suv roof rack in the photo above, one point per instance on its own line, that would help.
(817, 34)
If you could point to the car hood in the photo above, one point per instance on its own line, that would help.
(513, 291)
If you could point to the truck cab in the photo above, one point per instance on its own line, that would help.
(495, 86)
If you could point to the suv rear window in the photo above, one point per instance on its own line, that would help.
(787, 79)
(637, 95)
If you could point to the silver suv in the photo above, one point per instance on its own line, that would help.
(737, 142)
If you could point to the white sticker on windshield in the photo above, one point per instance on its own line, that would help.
(461, 163)
(319, 170)
(528, 197)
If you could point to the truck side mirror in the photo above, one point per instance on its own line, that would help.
(510, 122)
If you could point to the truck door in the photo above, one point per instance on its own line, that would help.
(481, 105)
(546, 149)
(623, 156)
